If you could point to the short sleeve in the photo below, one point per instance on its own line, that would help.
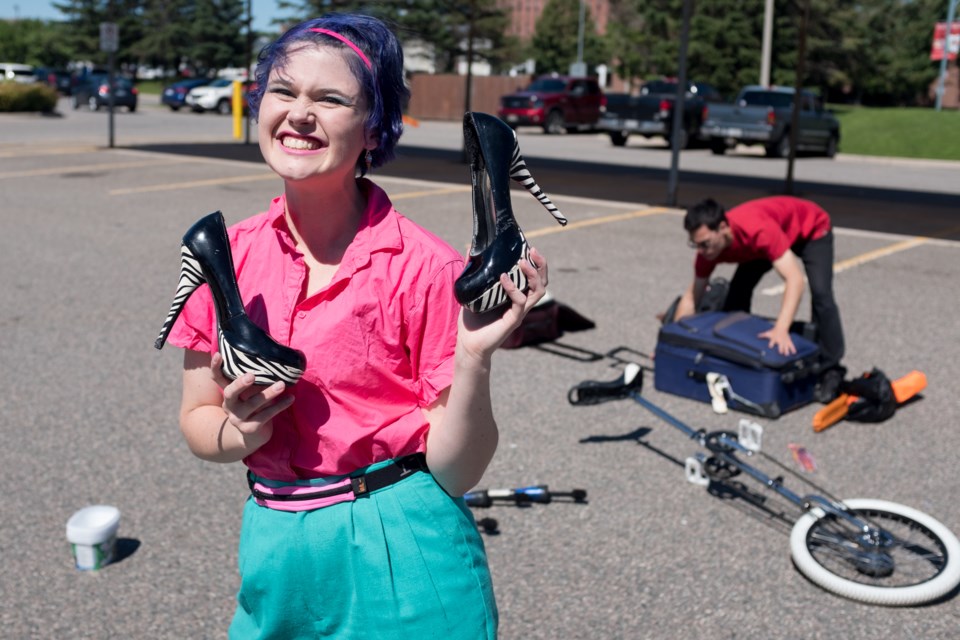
(195, 329)
(431, 334)
(771, 242)
(702, 268)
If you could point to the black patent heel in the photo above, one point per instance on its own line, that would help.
(205, 256)
(498, 243)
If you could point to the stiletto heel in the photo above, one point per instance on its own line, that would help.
(205, 256)
(498, 243)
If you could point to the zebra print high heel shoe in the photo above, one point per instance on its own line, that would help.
(498, 243)
(205, 256)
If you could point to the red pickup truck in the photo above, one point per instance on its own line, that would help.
(556, 103)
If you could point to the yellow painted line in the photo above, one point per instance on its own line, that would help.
(595, 221)
(20, 152)
(429, 192)
(876, 254)
(869, 256)
(83, 169)
(265, 176)
(171, 186)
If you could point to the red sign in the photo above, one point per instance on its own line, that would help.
(936, 52)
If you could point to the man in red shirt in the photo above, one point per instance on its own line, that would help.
(778, 232)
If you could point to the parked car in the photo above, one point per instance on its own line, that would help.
(248, 87)
(17, 72)
(762, 115)
(94, 92)
(216, 96)
(60, 79)
(175, 95)
(651, 112)
(556, 103)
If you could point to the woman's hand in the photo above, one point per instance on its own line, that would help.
(250, 408)
(480, 335)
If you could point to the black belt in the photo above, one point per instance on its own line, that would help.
(359, 485)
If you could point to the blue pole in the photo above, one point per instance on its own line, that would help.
(946, 52)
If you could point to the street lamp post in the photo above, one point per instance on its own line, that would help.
(580, 34)
(951, 10)
(677, 132)
(766, 51)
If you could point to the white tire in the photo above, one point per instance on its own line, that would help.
(924, 558)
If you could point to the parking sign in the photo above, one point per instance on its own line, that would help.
(109, 37)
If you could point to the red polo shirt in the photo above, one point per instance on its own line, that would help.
(764, 229)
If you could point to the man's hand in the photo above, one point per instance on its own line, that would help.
(779, 338)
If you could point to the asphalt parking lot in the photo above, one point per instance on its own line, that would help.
(89, 257)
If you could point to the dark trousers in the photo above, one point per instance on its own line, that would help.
(817, 258)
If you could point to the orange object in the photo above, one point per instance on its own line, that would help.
(904, 388)
(833, 412)
(909, 385)
(803, 457)
(410, 121)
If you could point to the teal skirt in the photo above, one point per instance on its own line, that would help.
(406, 559)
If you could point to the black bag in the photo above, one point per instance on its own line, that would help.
(713, 299)
(546, 322)
(875, 398)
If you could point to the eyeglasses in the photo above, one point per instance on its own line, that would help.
(702, 245)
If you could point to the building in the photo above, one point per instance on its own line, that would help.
(526, 13)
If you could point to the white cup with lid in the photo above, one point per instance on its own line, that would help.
(92, 534)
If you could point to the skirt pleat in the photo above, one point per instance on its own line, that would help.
(405, 559)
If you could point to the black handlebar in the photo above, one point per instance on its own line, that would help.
(540, 494)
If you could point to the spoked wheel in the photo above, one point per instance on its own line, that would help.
(912, 559)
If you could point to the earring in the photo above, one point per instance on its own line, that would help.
(368, 159)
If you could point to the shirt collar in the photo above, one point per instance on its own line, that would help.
(379, 228)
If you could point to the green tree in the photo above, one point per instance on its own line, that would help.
(625, 30)
(216, 30)
(892, 65)
(555, 42)
(34, 42)
(166, 34)
(725, 44)
(82, 37)
(443, 26)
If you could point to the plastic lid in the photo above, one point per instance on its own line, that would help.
(93, 525)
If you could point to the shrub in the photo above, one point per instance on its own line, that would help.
(15, 96)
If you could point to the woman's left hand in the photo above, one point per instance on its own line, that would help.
(481, 334)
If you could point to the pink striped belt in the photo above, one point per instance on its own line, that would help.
(307, 498)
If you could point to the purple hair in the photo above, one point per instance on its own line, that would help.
(382, 83)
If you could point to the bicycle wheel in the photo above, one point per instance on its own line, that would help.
(917, 561)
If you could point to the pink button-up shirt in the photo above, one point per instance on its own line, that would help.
(378, 339)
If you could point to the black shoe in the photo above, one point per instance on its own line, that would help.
(498, 243)
(828, 387)
(246, 348)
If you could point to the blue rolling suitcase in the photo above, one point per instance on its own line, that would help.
(761, 381)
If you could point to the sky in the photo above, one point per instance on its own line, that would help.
(263, 11)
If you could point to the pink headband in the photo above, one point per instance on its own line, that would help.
(342, 39)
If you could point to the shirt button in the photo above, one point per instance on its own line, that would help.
(301, 314)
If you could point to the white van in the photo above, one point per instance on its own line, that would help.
(16, 72)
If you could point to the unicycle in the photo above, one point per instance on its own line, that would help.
(871, 551)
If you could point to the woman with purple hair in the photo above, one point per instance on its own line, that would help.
(356, 526)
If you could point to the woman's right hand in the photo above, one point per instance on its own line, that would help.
(250, 408)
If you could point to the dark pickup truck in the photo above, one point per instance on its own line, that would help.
(651, 113)
(763, 115)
